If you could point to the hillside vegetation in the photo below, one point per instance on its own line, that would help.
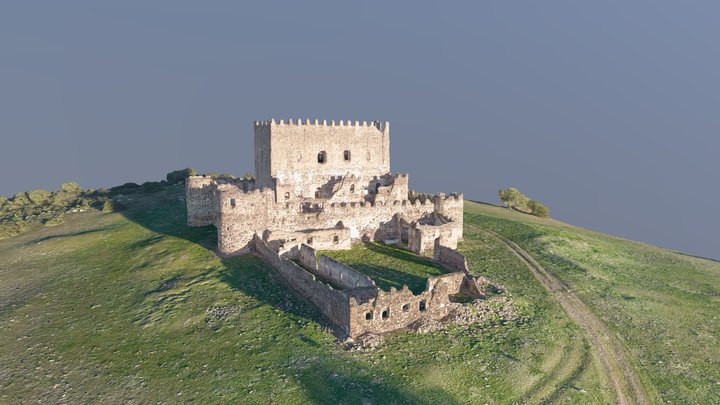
(133, 306)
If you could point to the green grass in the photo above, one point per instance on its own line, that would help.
(663, 306)
(135, 307)
(388, 266)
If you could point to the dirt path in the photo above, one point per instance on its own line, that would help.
(616, 367)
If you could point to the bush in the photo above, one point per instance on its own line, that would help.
(71, 187)
(20, 199)
(220, 176)
(538, 209)
(248, 176)
(513, 199)
(151, 186)
(112, 206)
(178, 176)
(38, 196)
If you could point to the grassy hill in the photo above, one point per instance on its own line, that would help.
(135, 307)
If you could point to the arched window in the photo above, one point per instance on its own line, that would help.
(322, 157)
(346, 155)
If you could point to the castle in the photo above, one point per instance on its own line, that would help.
(324, 186)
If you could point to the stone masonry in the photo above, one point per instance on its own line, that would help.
(325, 186)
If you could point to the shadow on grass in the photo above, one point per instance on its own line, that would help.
(385, 276)
(69, 234)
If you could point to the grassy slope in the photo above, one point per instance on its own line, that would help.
(388, 266)
(664, 306)
(135, 306)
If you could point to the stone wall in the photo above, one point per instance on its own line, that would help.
(388, 311)
(288, 151)
(451, 259)
(342, 275)
(332, 303)
(337, 238)
(200, 199)
(307, 256)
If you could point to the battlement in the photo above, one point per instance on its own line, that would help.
(381, 126)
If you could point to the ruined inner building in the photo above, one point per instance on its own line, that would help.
(324, 186)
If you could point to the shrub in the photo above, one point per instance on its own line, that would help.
(71, 187)
(20, 199)
(220, 176)
(178, 176)
(248, 176)
(151, 186)
(538, 209)
(38, 196)
(513, 199)
(125, 188)
(112, 206)
(3, 200)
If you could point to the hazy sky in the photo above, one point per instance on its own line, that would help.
(609, 112)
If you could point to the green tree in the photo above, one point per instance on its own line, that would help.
(512, 198)
(178, 176)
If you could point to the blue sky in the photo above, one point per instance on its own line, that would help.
(605, 111)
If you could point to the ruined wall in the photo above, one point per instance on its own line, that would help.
(307, 256)
(342, 275)
(293, 150)
(336, 238)
(451, 259)
(389, 188)
(239, 214)
(332, 303)
(388, 311)
(451, 206)
(200, 199)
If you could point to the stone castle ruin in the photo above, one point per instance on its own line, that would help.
(324, 186)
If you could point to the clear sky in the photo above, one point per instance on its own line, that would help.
(608, 112)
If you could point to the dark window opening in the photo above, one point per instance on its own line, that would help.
(385, 314)
(322, 157)
(405, 307)
(352, 188)
(422, 305)
(309, 241)
(368, 316)
(336, 239)
(232, 202)
(287, 194)
(346, 155)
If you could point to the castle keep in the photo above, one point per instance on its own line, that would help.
(324, 186)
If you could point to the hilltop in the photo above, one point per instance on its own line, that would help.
(135, 306)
